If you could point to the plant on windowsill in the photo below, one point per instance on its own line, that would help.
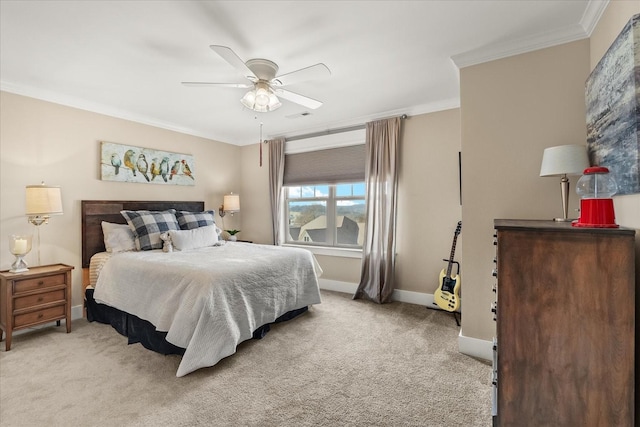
(232, 234)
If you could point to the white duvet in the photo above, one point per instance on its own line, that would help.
(209, 300)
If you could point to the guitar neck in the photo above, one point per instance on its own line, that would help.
(453, 251)
(453, 248)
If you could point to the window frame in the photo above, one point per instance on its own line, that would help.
(331, 200)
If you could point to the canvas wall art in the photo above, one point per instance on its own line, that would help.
(127, 163)
(613, 109)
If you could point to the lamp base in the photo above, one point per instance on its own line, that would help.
(19, 265)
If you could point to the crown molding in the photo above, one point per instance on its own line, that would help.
(519, 46)
(83, 104)
(441, 105)
(590, 17)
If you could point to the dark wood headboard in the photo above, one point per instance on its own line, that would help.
(96, 211)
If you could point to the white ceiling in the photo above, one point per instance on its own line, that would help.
(127, 58)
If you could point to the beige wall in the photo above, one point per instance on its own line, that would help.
(428, 199)
(511, 110)
(60, 145)
(428, 202)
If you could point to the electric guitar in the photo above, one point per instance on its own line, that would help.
(447, 296)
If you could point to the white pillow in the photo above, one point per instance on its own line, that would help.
(201, 237)
(118, 237)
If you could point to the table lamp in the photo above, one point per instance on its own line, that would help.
(42, 202)
(564, 160)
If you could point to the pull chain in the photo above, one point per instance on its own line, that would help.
(260, 144)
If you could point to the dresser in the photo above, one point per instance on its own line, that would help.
(37, 296)
(565, 313)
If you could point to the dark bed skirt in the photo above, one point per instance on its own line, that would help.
(141, 331)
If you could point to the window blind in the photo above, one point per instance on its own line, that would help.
(331, 166)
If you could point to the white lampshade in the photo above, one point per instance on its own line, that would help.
(43, 200)
(231, 203)
(249, 99)
(564, 160)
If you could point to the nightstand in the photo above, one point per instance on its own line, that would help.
(40, 295)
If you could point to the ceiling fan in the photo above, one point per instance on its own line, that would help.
(264, 83)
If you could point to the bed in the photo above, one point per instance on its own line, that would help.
(199, 302)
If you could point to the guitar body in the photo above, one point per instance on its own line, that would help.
(447, 296)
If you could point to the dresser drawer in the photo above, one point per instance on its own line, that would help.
(38, 283)
(39, 299)
(40, 316)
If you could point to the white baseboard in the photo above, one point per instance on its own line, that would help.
(475, 347)
(338, 286)
(77, 312)
(400, 295)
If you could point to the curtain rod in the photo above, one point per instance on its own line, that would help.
(330, 131)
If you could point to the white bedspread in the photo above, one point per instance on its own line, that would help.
(209, 300)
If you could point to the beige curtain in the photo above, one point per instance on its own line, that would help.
(381, 177)
(276, 174)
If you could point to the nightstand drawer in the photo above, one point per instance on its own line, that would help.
(38, 283)
(40, 316)
(39, 299)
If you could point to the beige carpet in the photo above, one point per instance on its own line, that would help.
(343, 363)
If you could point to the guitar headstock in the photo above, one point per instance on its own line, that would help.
(459, 227)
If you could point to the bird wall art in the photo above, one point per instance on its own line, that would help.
(126, 163)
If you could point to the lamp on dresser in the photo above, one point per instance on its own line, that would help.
(564, 160)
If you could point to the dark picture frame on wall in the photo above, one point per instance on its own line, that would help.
(460, 174)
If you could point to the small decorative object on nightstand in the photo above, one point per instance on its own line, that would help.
(19, 245)
(40, 295)
(232, 235)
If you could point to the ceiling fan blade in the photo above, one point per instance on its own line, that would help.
(236, 85)
(305, 101)
(313, 72)
(230, 56)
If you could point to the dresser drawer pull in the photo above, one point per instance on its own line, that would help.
(40, 299)
(40, 315)
(40, 283)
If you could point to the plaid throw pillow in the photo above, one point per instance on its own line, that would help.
(191, 220)
(147, 226)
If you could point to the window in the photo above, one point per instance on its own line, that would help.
(326, 214)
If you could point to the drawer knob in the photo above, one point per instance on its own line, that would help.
(40, 299)
(40, 316)
(40, 283)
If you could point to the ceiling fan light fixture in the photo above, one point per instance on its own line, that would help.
(261, 99)
(249, 99)
(274, 102)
